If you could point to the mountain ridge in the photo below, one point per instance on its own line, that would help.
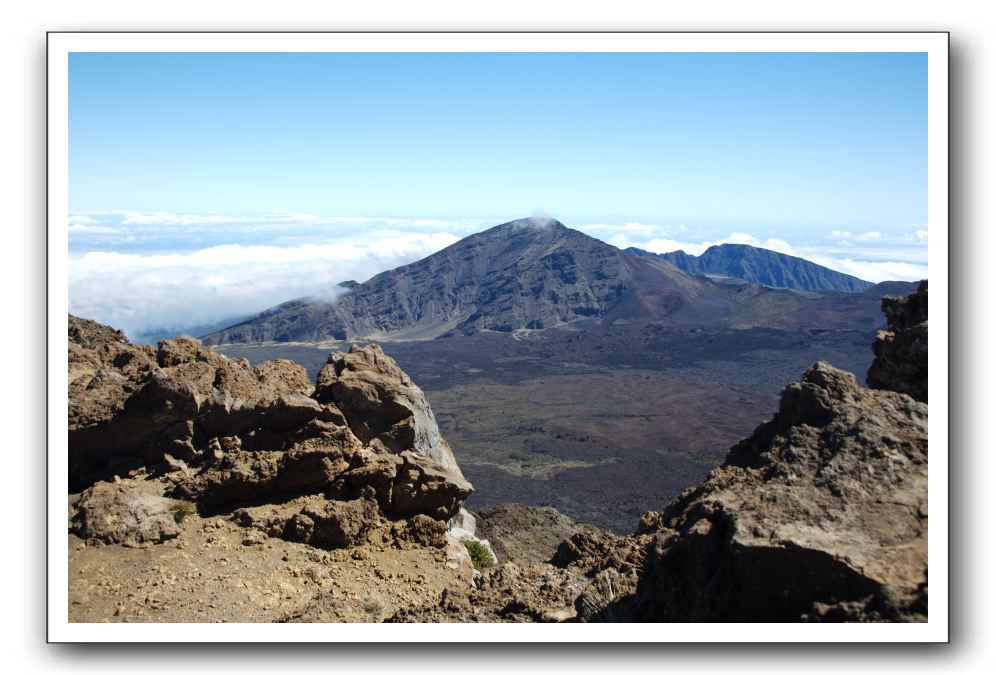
(757, 265)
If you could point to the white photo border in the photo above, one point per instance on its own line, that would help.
(61, 44)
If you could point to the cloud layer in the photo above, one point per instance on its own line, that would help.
(146, 276)
(156, 273)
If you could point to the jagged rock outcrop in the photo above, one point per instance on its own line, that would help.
(90, 334)
(820, 515)
(226, 434)
(901, 351)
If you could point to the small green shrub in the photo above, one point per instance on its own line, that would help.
(181, 510)
(479, 555)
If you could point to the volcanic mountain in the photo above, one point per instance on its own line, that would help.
(530, 273)
(535, 274)
(740, 262)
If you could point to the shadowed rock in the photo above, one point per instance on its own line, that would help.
(901, 351)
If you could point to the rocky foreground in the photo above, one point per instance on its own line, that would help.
(206, 489)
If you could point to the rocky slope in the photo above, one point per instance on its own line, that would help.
(820, 515)
(340, 501)
(233, 434)
(160, 437)
(760, 266)
(526, 534)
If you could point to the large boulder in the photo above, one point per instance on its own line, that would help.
(901, 351)
(334, 524)
(125, 513)
(820, 515)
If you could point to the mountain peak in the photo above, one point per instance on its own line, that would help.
(533, 223)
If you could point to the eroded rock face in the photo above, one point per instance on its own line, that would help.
(226, 434)
(132, 404)
(820, 514)
(901, 351)
(381, 402)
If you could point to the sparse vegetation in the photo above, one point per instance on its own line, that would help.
(479, 555)
(181, 510)
(372, 606)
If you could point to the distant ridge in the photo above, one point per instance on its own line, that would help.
(760, 266)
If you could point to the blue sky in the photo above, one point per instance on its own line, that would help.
(207, 165)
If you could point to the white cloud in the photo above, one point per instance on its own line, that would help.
(174, 290)
(874, 271)
(92, 229)
(902, 236)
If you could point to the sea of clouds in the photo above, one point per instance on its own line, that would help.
(159, 274)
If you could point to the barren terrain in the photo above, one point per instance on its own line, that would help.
(217, 571)
(604, 424)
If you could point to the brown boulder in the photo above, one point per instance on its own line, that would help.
(334, 524)
(422, 486)
(125, 513)
(282, 376)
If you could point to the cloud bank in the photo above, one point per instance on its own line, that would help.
(147, 277)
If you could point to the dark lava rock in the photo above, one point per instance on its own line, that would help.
(901, 351)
